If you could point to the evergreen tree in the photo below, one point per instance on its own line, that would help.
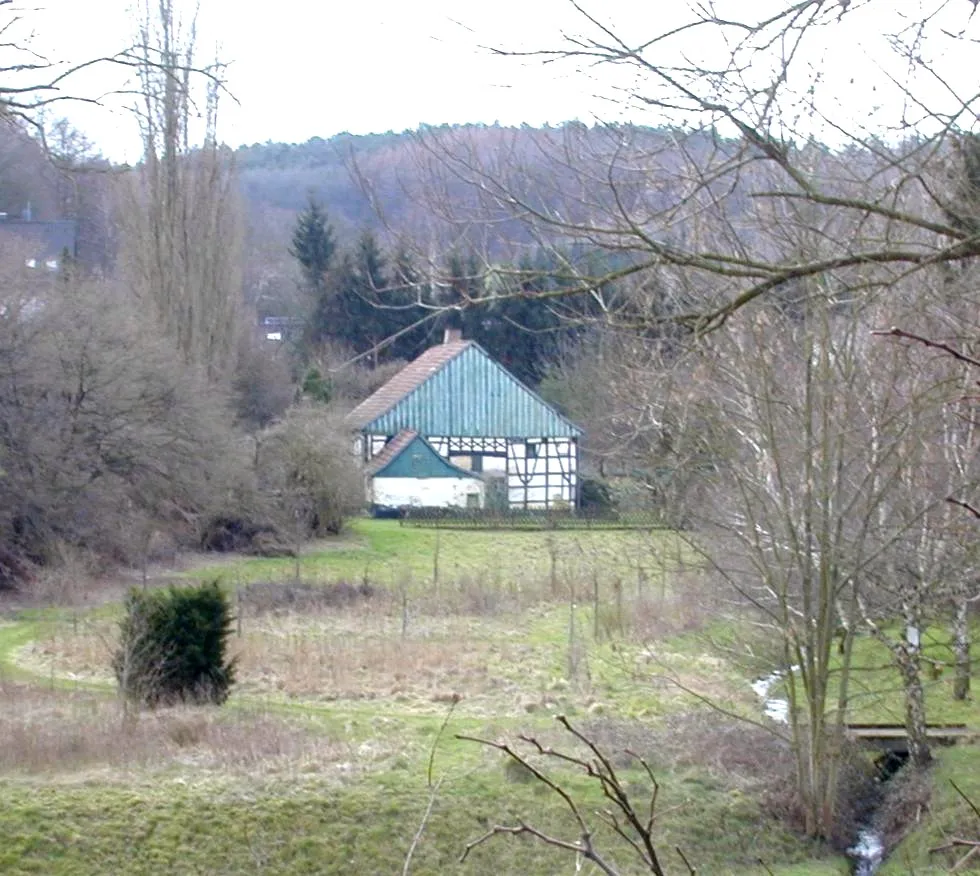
(408, 296)
(173, 646)
(331, 319)
(370, 320)
(313, 247)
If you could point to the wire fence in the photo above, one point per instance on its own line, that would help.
(527, 518)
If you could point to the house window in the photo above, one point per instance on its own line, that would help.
(476, 463)
(531, 449)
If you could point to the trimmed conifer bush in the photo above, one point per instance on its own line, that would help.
(173, 644)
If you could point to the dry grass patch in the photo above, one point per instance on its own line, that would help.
(76, 650)
(351, 642)
(360, 655)
(353, 653)
(59, 731)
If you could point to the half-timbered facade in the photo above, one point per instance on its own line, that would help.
(482, 421)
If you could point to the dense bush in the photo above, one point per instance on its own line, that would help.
(225, 534)
(595, 497)
(106, 436)
(173, 644)
(307, 462)
(262, 385)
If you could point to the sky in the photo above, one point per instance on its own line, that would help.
(304, 68)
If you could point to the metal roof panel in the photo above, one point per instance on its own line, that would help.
(458, 390)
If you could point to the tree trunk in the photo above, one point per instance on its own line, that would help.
(961, 650)
(915, 705)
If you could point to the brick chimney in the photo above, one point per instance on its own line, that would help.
(451, 335)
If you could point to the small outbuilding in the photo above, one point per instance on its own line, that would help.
(409, 472)
(454, 428)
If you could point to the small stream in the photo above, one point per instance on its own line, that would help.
(775, 708)
(868, 850)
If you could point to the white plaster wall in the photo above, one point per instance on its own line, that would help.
(425, 492)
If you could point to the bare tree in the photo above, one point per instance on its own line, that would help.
(104, 433)
(183, 238)
(744, 115)
(819, 491)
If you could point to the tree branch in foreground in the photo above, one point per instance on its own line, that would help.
(973, 846)
(928, 342)
(631, 823)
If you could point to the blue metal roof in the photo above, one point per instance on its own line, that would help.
(472, 396)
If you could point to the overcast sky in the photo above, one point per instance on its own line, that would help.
(305, 68)
(302, 68)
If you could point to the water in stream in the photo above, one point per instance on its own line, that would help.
(775, 708)
(866, 853)
(868, 850)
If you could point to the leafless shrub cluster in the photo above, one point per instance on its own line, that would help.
(746, 757)
(305, 465)
(904, 801)
(277, 597)
(106, 437)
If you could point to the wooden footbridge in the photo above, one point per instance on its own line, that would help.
(894, 737)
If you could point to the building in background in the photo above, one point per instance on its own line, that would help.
(455, 429)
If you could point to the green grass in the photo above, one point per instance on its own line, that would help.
(308, 826)
(173, 814)
(386, 553)
(948, 816)
(876, 689)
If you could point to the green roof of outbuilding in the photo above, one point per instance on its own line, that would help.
(411, 456)
(457, 390)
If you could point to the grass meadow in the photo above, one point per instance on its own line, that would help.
(358, 667)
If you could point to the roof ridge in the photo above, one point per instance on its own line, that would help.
(406, 381)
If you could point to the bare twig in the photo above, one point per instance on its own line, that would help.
(624, 818)
(433, 790)
(959, 355)
(433, 793)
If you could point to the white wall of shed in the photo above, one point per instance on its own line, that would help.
(426, 492)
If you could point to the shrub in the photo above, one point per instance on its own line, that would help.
(596, 497)
(307, 462)
(263, 386)
(316, 386)
(224, 534)
(14, 569)
(106, 435)
(173, 644)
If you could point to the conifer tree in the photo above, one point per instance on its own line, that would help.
(313, 247)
